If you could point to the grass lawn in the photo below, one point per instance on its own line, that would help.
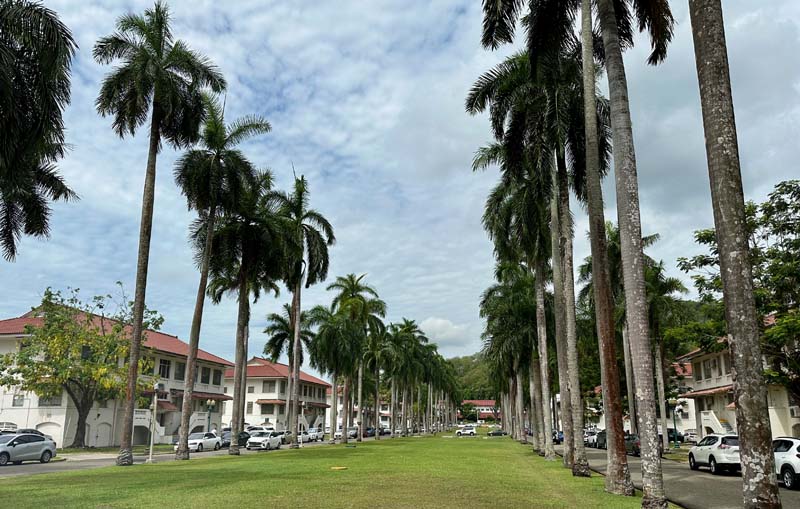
(411, 472)
(137, 449)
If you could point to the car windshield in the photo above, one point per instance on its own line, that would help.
(259, 434)
(732, 441)
(195, 436)
(5, 438)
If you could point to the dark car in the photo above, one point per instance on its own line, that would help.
(497, 433)
(226, 439)
(384, 431)
(671, 433)
(369, 432)
(602, 440)
(633, 445)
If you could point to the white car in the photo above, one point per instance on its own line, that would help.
(690, 435)
(251, 429)
(466, 431)
(718, 452)
(787, 461)
(315, 434)
(198, 442)
(264, 440)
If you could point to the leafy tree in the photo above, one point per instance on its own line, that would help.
(76, 349)
(472, 375)
(36, 51)
(161, 76)
(280, 334)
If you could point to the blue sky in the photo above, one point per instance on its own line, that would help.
(366, 100)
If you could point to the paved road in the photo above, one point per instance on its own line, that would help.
(84, 461)
(693, 490)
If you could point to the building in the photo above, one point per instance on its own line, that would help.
(684, 417)
(58, 416)
(485, 408)
(385, 413)
(266, 395)
(713, 395)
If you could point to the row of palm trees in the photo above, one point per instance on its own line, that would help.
(555, 134)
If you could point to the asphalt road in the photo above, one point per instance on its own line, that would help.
(82, 461)
(693, 490)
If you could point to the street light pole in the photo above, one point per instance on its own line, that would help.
(153, 422)
(210, 404)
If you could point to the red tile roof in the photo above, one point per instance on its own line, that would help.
(708, 392)
(204, 395)
(258, 367)
(480, 402)
(271, 401)
(683, 368)
(156, 340)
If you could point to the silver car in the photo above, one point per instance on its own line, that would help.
(25, 447)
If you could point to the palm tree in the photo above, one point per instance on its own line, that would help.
(376, 358)
(160, 74)
(249, 253)
(312, 235)
(280, 333)
(36, 52)
(759, 488)
(212, 176)
(359, 302)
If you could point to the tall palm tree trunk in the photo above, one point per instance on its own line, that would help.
(521, 436)
(125, 456)
(534, 422)
(377, 401)
(629, 382)
(618, 478)
(393, 408)
(560, 314)
(541, 331)
(360, 417)
(194, 341)
(727, 198)
(293, 420)
(404, 414)
(662, 403)
(334, 408)
(346, 408)
(630, 228)
(240, 363)
(580, 465)
(539, 413)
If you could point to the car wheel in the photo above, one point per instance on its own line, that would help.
(268, 446)
(46, 455)
(712, 464)
(199, 447)
(3, 459)
(692, 462)
(216, 446)
(789, 479)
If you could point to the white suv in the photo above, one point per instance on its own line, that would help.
(787, 461)
(719, 452)
(466, 430)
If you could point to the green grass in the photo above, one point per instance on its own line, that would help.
(412, 472)
(137, 449)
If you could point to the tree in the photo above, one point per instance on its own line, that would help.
(280, 334)
(248, 254)
(162, 76)
(312, 234)
(212, 177)
(76, 349)
(36, 51)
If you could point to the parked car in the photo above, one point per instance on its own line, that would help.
(369, 432)
(305, 437)
(198, 442)
(264, 441)
(251, 429)
(466, 431)
(352, 432)
(690, 435)
(558, 437)
(590, 438)
(315, 434)
(225, 438)
(338, 434)
(601, 441)
(787, 461)
(497, 433)
(672, 434)
(384, 431)
(26, 447)
(719, 452)
(633, 445)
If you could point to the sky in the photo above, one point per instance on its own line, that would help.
(366, 99)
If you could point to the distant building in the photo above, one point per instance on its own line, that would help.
(485, 408)
(266, 396)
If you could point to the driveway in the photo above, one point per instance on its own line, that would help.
(693, 490)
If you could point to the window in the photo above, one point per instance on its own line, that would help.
(149, 366)
(251, 389)
(225, 390)
(50, 401)
(267, 409)
(727, 358)
(19, 399)
(305, 390)
(164, 367)
(206, 377)
(217, 377)
(268, 386)
(283, 387)
(698, 371)
(707, 368)
(180, 371)
(249, 407)
(781, 445)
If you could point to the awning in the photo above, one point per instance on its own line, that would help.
(708, 392)
(730, 406)
(271, 401)
(167, 406)
(317, 405)
(214, 396)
